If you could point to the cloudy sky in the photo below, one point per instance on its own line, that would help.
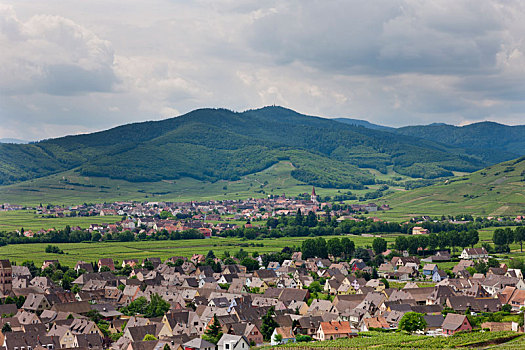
(69, 67)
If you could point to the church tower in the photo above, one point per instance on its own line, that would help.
(313, 197)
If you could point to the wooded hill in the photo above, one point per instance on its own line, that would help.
(214, 144)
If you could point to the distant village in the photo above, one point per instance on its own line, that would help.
(207, 217)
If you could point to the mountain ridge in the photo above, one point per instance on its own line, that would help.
(219, 144)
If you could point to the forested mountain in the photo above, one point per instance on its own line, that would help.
(214, 144)
(13, 141)
(364, 123)
(496, 140)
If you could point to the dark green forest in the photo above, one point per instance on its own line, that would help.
(218, 144)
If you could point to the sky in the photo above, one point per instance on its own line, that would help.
(69, 67)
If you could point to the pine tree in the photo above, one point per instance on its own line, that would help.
(268, 324)
(213, 333)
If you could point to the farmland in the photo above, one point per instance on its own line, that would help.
(74, 252)
(380, 341)
(496, 190)
(29, 220)
(69, 188)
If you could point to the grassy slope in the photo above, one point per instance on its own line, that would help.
(496, 190)
(54, 189)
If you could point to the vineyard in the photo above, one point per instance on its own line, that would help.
(378, 340)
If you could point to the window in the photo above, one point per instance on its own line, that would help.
(226, 346)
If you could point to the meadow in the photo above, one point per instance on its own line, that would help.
(70, 188)
(29, 220)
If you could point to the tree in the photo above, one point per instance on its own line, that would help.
(66, 282)
(311, 219)
(401, 243)
(413, 245)
(94, 316)
(214, 331)
(473, 237)
(210, 255)
(412, 321)
(519, 236)
(379, 245)
(105, 268)
(433, 241)
(96, 236)
(506, 308)
(308, 248)
(299, 218)
(268, 324)
(157, 307)
(241, 254)
(278, 338)
(250, 264)
(348, 247)
(322, 250)
(502, 238)
(363, 254)
(315, 287)
(148, 265)
(334, 247)
(149, 337)
(6, 328)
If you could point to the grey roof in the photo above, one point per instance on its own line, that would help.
(434, 321)
(198, 343)
(453, 321)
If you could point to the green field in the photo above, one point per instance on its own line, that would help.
(377, 340)
(163, 249)
(29, 220)
(69, 188)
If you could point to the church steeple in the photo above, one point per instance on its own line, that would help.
(313, 197)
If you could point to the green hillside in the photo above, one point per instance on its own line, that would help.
(489, 140)
(496, 190)
(215, 144)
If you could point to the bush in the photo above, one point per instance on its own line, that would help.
(53, 249)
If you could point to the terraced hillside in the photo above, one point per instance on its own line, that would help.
(495, 190)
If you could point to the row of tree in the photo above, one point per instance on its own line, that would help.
(319, 247)
(442, 240)
(503, 237)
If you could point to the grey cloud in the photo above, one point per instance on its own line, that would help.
(67, 79)
(78, 66)
(382, 37)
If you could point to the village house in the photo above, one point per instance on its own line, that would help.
(474, 253)
(454, 323)
(334, 330)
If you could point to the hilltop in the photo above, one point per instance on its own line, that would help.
(494, 140)
(217, 144)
